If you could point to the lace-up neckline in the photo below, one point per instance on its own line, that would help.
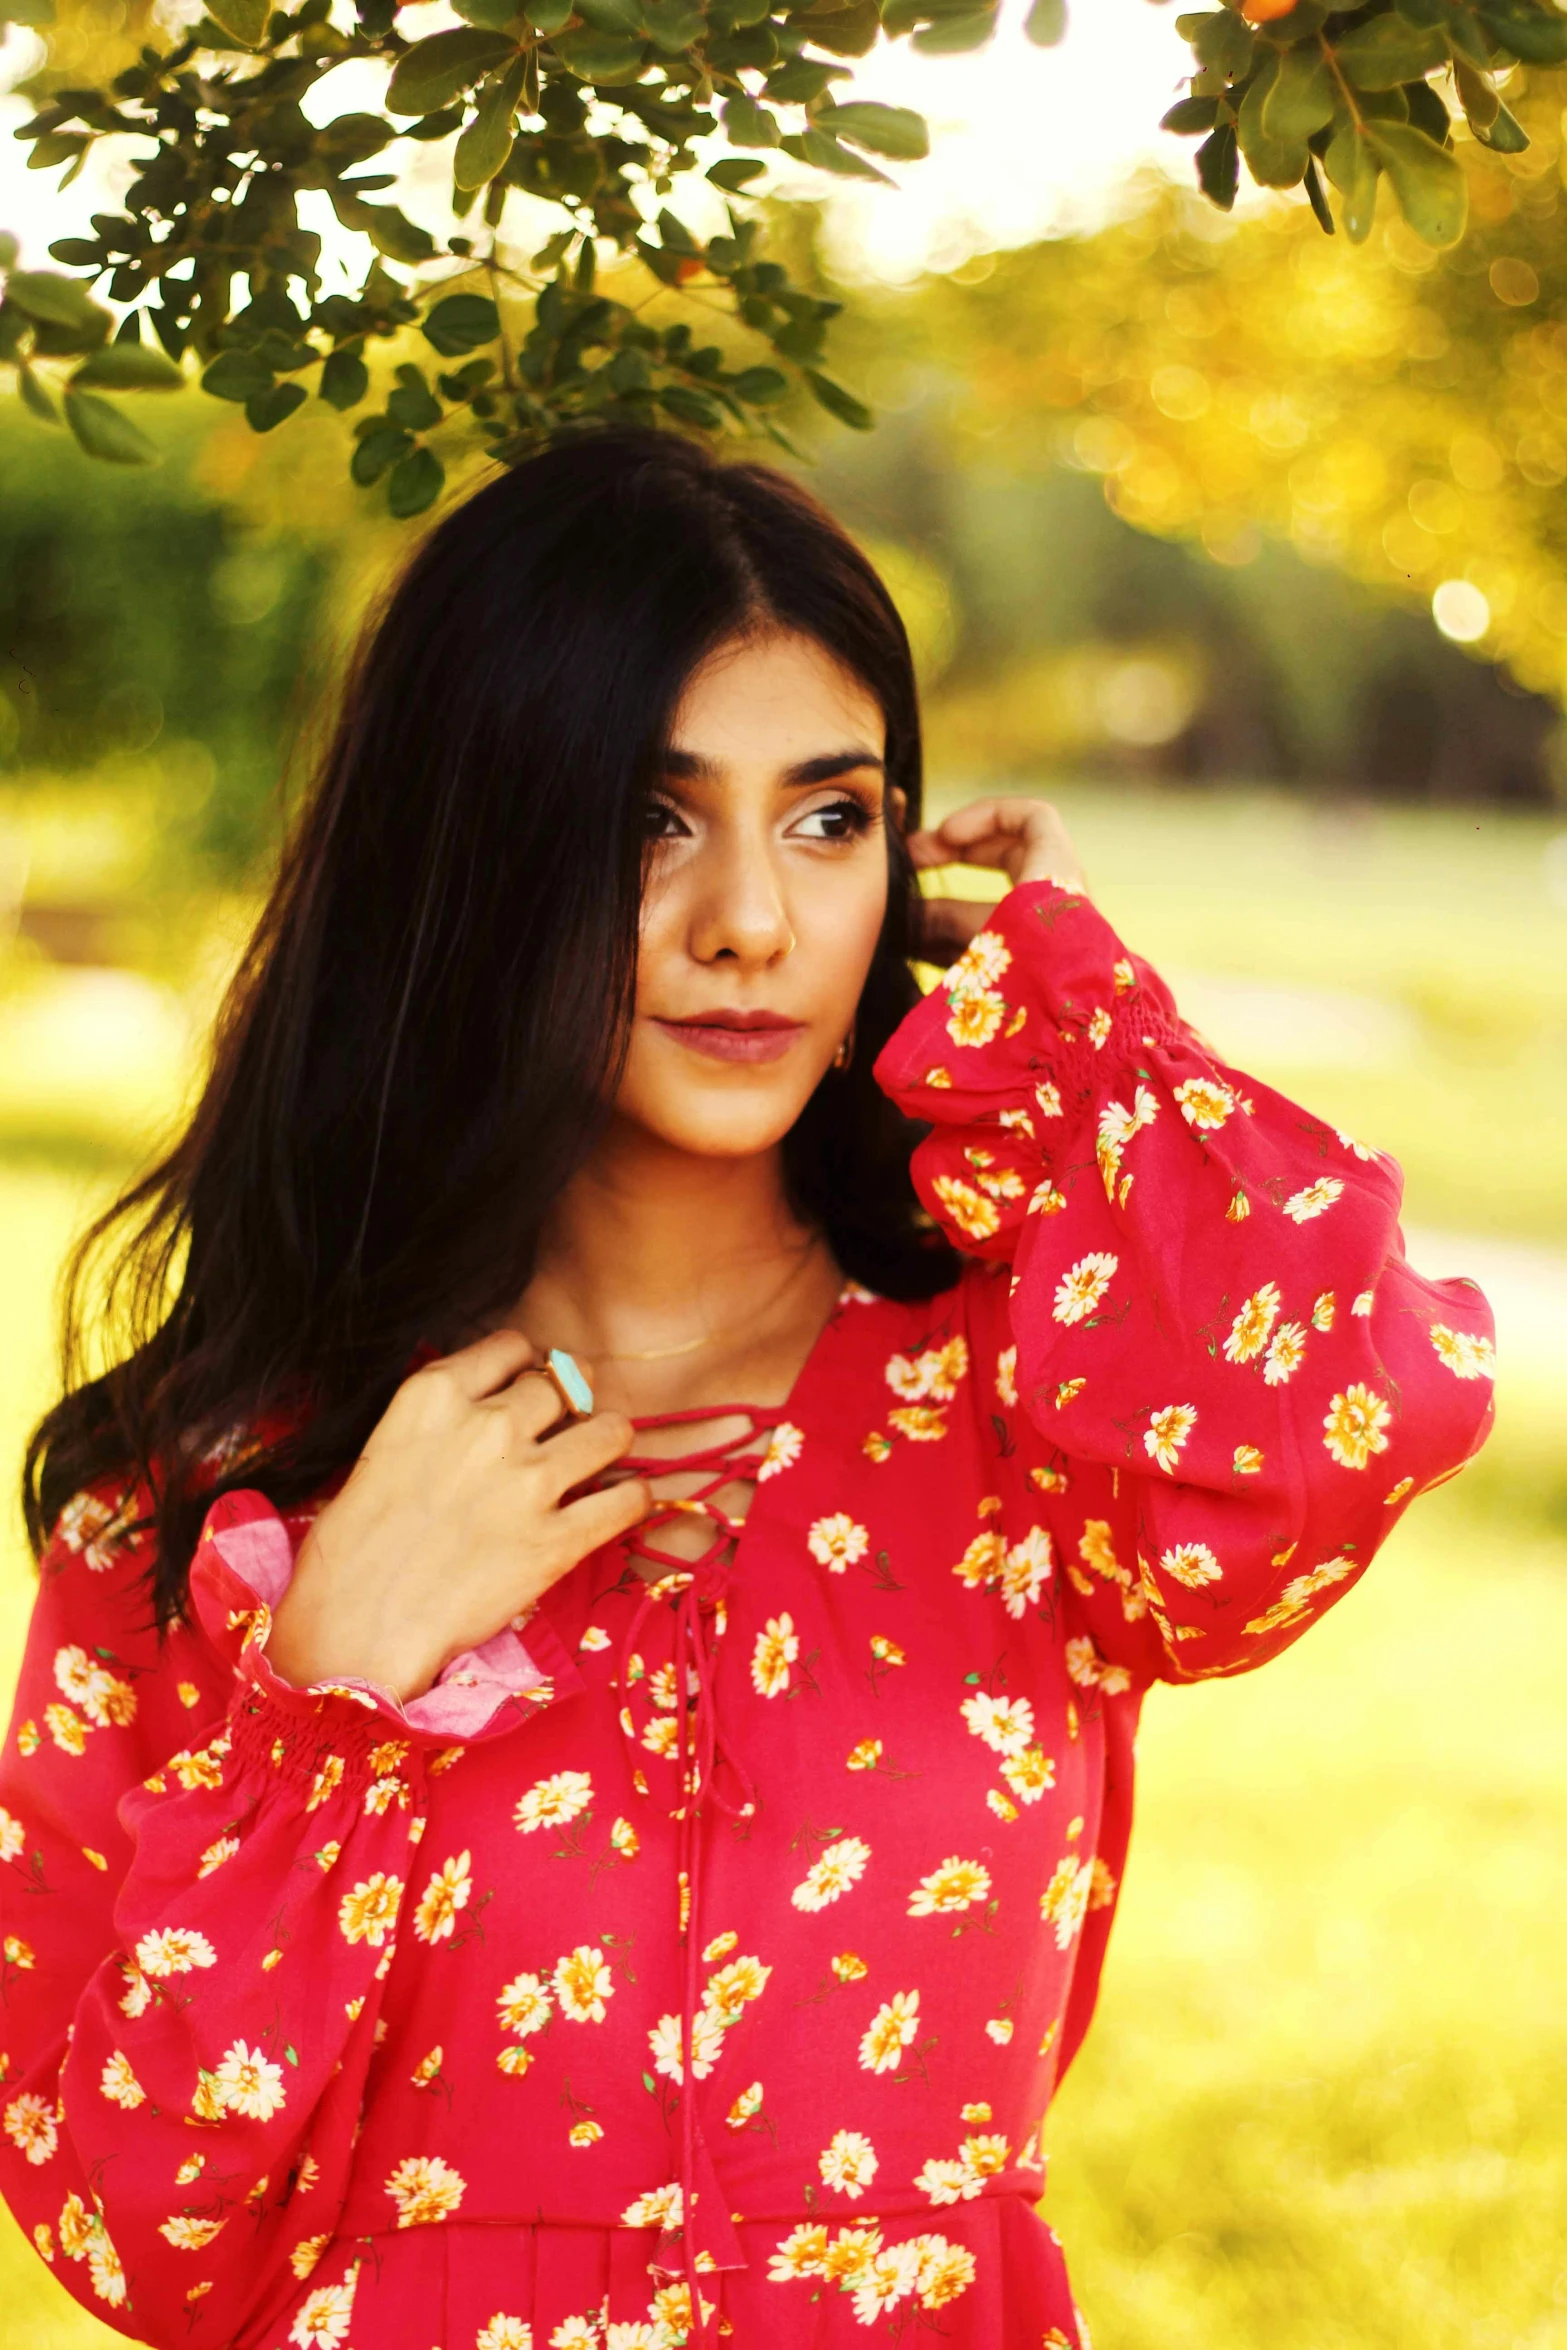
(727, 1461)
(689, 1594)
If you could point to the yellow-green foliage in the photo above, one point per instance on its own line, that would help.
(1324, 2106)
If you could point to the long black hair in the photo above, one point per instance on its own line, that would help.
(412, 1058)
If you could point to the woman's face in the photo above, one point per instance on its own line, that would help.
(765, 888)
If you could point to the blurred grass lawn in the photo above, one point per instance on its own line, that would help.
(1324, 2106)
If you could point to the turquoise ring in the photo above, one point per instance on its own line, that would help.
(575, 1394)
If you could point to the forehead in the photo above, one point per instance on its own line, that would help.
(775, 701)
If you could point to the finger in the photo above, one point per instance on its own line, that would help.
(532, 1405)
(585, 1450)
(928, 848)
(603, 1516)
(994, 818)
(946, 925)
(489, 1364)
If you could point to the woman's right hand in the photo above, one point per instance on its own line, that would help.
(452, 1522)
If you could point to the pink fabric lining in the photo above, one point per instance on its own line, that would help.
(254, 1544)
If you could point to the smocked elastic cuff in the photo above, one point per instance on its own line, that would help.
(244, 1564)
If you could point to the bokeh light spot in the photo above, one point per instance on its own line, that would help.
(1460, 611)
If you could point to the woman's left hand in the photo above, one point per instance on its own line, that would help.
(1025, 839)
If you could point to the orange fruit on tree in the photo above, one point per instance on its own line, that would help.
(1265, 11)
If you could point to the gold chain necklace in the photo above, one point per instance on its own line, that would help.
(690, 1346)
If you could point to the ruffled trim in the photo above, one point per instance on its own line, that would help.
(1044, 1016)
(244, 1564)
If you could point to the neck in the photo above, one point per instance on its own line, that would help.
(649, 1247)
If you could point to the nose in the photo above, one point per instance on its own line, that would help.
(738, 911)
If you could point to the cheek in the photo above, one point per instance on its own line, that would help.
(839, 928)
(659, 939)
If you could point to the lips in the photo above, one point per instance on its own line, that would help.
(736, 1036)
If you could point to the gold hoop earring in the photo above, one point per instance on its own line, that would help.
(845, 1053)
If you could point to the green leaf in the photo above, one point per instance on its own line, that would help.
(414, 406)
(1428, 181)
(1537, 35)
(759, 386)
(291, 2054)
(734, 174)
(376, 449)
(246, 20)
(129, 367)
(345, 379)
(649, 2084)
(953, 36)
(1387, 51)
(442, 66)
(1219, 168)
(802, 81)
(461, 323)
(1477, 95)
(399, 238)
(1045, 23)
(1191, 114)
(674, 235)
(1505, 133)
(265, 411)
(548, 16)
(1427, 111)
(493, 15)
(416, 483)
(353, 138)
(838, 402)
(484, 148)
(672, 25)
(1302, 98)
(746, 124)
(9, 249)
(237, 375)
(612, 16)
(600, 57)
(1273, 161)
(848, 32)
(691, 407)
(1221, 41)
(1359, 186)
(35, 398)
(103, 432)
(1317, 198)
(58, 301)
(57, 147)
(1351, 166)
(814, 146)
(896, 131)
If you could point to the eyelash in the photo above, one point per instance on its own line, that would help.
(859, 819)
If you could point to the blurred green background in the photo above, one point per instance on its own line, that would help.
(1325, 2102)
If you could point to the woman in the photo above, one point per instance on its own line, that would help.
(526, 1891)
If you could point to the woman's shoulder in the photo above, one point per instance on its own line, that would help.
(916, 1347)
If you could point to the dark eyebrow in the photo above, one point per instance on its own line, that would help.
(799, 777)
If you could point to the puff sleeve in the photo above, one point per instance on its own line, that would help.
(1209, 1295)
(206, 1874)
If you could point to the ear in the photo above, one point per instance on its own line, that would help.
(898, 802)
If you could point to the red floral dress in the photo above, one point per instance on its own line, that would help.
(728, 1930)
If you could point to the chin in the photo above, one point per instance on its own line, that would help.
(741, 1131)
(712, 1122)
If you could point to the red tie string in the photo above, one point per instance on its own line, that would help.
(692, 1591)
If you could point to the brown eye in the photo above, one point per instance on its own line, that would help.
(661, 821)
(840, 820)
